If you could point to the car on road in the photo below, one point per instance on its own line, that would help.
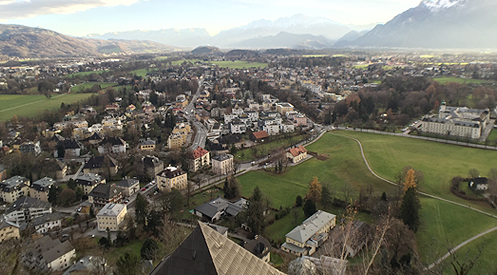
(143, 189)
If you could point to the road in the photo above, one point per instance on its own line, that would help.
(200, 130)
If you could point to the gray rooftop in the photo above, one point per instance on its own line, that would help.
(127, 182)
(14, 182)
(89, 178)
(55, 216)
(311, 226)
(28, 202)
(111, 210)
(222, 157)
(43, 184)
(210, 208)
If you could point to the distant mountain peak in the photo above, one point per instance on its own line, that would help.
(438, 5)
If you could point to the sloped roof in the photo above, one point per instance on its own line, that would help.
(207, 252)
(28, 202)
(311, 226)
(199, 152)
(260, 134)
(98, 161)
(297, 150)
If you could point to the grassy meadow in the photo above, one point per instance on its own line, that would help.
(88, 85)
(32, 105)
(442, 224)
(445, 80)
(86, 73)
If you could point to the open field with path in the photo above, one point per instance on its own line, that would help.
(32, 105)
(443, 225)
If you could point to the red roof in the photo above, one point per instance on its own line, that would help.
(297, 150)
(260, 134)
(199, 152)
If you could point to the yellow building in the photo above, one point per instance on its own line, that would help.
(8, 230)
(40, 188)
(284, 107)
(199, 158)
(171, 177)
(175, 141)
(14, 188)
(111, 216)
(147, 145)
(297, 154)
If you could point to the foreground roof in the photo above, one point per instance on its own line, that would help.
(207, 252)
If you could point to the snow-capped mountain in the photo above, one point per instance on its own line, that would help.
(448, 24)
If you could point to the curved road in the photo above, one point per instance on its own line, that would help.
(451, 251)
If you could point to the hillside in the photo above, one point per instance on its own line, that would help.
(26, 42)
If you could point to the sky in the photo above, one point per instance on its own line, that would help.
(82, 17)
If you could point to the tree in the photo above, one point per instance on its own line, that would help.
(141, 205)
(53, 194)
(315, 189)
(409, 209)
(410, 180)
(149, 250)
(129, 263)
(254, 212)
(326, 198)
(154, 222)
(66, 197)
(298, 201)
(72, 184)
(171, 201)
(309, 208)
(231, 188)
(61, 151)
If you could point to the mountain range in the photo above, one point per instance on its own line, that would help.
(21, 41)
(438, 24)
(433, 24)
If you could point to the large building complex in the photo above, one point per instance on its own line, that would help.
(457, 121)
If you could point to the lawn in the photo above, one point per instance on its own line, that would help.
(266, 148)
(133, 247)
(238, 64)
(445, 80)
(88, 85)
(32, 105)
(492, 136)
(277, 231)
(86, 73)
(142, 72)
(442, 224)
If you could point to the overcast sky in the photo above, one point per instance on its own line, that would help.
(81, 17)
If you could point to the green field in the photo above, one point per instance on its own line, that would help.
(88, 85)
(362, 66)
(34, 104)
(445, 80)
(266, 148)
(86, 73)
(442, 224)
(238, 64)
(142, 72)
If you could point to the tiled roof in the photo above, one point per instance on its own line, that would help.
(297, 150)
(199, 152)
(260, 134)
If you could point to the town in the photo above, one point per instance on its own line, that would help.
(247, 158)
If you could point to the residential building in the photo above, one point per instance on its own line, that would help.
(72, 148)
(198, 158)
(176, 140)
(271, 129)
(49, 255)
(111, 216)
(171, 177)
(287, 127)
(104, 194)
(115, 145)
(304, 239)
(299, 120)
(213, 254)
(47, 222)
(25, 209)
(13, 188)
(237, 127)
(260, 247)
(101, 165)
(89, 181)
(457, 121)
(296, 154)
(222, 164)
(259, 136)
(147, 145)
(8, 230)
(284, 107)
(129, 186)
(152, 166)
(30, 148)
(214, 210)
(40, 188)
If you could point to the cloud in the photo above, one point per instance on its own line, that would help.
(17, 9)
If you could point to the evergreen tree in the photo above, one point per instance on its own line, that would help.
(309, 208)
(141, 212)
(409, 209)
(298, 201)
(129, 263)
(53, 194)
(326, 199)
(231, 188)
(254, 212)
(149, 250)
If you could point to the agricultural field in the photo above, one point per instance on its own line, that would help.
(88, 85)
(445, 80)
(141, 72)
(442, 224)
(86, 73)
(32, 105)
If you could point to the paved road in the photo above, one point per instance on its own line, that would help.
(451, 251)
(200, 130)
